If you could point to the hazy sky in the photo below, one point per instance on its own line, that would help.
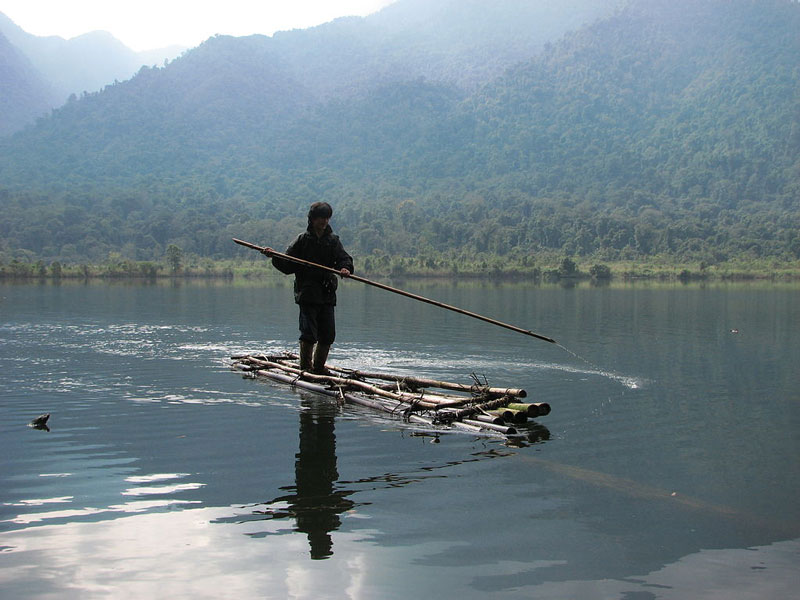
(149, 24)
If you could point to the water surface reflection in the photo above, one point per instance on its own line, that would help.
(165, 475)
(314, 501)
(317, 499)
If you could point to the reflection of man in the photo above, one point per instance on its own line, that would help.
(316, 505)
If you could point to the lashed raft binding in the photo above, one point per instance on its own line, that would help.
(475, 408)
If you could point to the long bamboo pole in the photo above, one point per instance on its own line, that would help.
(382, 286)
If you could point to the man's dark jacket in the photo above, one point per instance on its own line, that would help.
(312, 285)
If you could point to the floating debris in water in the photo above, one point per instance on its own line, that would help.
(40, 422)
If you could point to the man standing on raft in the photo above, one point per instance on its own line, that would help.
(315, 289)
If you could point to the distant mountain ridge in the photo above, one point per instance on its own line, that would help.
(461, 42)
(86, 63)
(24, 93)
(436, 39)
(245, 92)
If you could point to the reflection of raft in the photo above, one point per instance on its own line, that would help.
(475, 408)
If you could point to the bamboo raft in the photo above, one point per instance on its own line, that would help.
(473, 408)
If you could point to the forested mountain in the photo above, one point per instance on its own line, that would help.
(86, 63)
(460, 42)
(667, 127)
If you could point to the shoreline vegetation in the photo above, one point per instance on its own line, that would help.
(546, 270)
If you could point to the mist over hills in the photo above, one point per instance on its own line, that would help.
(25, 93)
(440, 131)
(248, 94)
(86, 63)
(460, 42)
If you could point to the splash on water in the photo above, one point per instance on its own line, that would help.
(421, 361)
(632, 383)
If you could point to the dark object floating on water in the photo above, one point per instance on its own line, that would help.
(474, 408)
(40, 422)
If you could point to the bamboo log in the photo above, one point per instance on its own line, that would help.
(441, 396)
(499, 428)
(374, 404)
(360, 400)
(511, 414)
(467, 427)
(531, 410)
(544, 408)
(489, 419)
(445, 385)
(405, 398)
(518, 416)
(426, 398)
(468, 411)
(417, 382)
(412, 417)
(382, 404)
(426, 393)
(503, 413)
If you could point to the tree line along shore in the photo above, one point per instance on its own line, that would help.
(544, 269)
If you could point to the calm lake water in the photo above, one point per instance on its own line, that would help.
(668, 467)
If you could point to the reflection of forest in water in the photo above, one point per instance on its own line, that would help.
(318, 498)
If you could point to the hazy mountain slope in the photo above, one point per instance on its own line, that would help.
(469, 42)
(672, 97)
(465, 42)
(24, 95)
(461, 42)
(218, 102)
(86, 63)
(242, 94)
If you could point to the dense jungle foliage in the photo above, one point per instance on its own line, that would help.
(670, 129)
